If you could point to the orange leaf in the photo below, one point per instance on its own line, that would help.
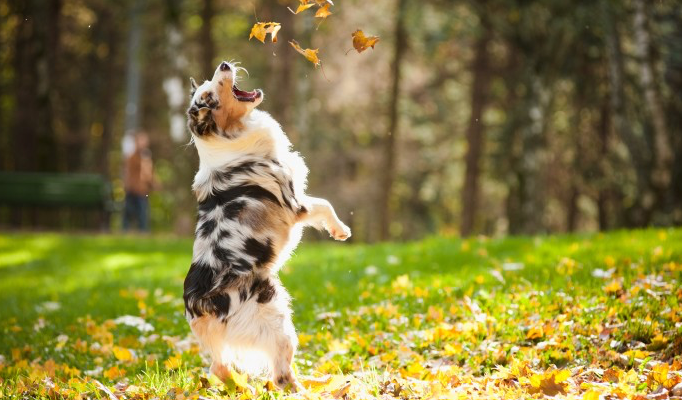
(122, 354)
(613, 287)
(261, 29)
(114, 373)
(303, 7)
(535, 333)
(323, 12)
(309, 54)
(362, 42)
(173, 362)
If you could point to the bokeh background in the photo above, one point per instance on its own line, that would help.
(469, 117)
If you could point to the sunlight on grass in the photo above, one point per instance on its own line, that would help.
(418, 319)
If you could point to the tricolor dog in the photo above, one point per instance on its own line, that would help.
(250, 187)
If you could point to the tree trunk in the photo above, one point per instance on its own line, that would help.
(109, 95)
(36, 45)
(637, 149)
(133, 103)
(533, 161)
(663, 155)
(475, 133)
(281, 78)
(391, 136)
(176, 96)
(603, 190)
(206, 40)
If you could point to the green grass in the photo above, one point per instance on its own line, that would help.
(399, 305)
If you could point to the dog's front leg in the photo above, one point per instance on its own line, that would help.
(319, 213)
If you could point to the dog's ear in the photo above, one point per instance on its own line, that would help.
(200, 121)
(193, 87)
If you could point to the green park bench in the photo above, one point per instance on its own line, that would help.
(54, 191)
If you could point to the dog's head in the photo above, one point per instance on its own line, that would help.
(218, 106)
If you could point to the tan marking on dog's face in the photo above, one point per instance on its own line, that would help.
(226, 110)
(229, 113)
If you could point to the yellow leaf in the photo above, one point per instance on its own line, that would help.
(241, 380)
(173, 362)
(613, 287)
(550, 382)
(323, 12)
(362, 43)
(591, 395)
(562, 376)
(122, 354)
(535, 333)
(341, 391)
(114, 373)
(309, 54)
(313, 382)
(303, 338)
(261, 29)
(639, 354)
(452, 349)
(258, 31)
(303, 7)
(609, 261)
(16, 354)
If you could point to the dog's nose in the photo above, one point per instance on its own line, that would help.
(224, 66)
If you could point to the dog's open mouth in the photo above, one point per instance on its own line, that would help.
(242, 95)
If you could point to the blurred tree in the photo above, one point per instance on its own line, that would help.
(661, 142)
(36, 51)
(475, 133)
(387, 174)
(206, 42)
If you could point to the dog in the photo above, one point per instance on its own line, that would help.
(250, 187)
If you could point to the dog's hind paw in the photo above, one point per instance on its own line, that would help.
(289, 383)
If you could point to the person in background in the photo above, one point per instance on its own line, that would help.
(138, 182)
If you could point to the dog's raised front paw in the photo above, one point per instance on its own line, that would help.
(339, 231)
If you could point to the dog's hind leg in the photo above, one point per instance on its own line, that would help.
(211, 333)
(273, 331)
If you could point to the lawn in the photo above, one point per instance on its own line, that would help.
(574, 316)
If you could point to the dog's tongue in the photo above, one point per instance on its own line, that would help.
(242, 95)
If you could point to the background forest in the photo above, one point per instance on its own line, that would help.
(469, 116)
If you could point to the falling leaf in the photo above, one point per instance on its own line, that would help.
(261, 29)
(309, 54)
(303, 7)
(323, 12)
(362, 42)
